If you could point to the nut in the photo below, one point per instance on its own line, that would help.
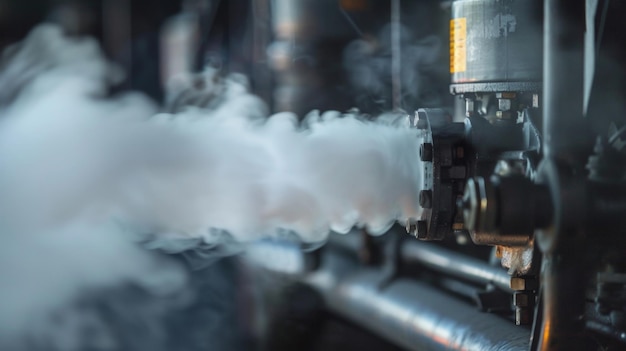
(523, 283)
(426, 152)
(504, 104)
(521, 299)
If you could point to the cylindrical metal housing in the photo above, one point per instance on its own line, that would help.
(496, 45)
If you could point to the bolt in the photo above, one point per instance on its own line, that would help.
(422, 230)
(536, 100)
(426, 152)
(522, 283)
(420, 120)
(521, 299)
(503, 114)
(469, 107)
(426, 198)
(518, 283)
(522, 316)
(411, 226)
(506, 95)
(458, 226)
(504, 104)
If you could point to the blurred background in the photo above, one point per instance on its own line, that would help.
(297, 56)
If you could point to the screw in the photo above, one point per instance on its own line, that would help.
(426, 152)
(426, 198)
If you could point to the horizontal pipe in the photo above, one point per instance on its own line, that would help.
(454, 264)
(410, 314)
(439, 259)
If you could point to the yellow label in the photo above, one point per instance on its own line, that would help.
(458, 45)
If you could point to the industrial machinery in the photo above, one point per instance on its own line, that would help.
(520, 239)
(531, 163)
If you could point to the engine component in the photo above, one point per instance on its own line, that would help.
(495, 46)
(443, 161)
(492, 220)
(495, 61)
(478, 175)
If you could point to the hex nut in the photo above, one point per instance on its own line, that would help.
(523, 283)
(521, 299)
(426, 152)
(426, 198)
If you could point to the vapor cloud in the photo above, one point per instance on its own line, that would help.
(86, 178)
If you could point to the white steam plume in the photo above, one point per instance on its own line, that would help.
(84, 177)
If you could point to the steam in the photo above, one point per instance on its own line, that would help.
(368, 63)
(86, 178)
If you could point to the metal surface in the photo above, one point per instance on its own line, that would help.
(412, 314)
(437, 258)
(502, 41)
(563, 272)
(505, 210)
(494, 87)
(563, 82)
(443, 172)
(455, 264)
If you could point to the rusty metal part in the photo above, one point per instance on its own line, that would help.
(518, 260)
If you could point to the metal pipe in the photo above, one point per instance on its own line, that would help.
(567, 144)
(412, 314)
(437, 258)
(455, 264)
(566, 134)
